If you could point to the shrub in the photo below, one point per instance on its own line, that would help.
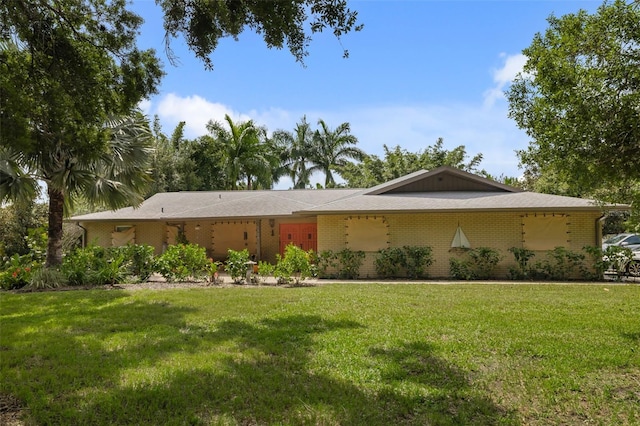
(416, 259)
(349, 262)
(324, 261)
(559, 264)
(478, 264)
(236, 265)
(140, 260)
(46, 278)
(294, 266)
(460, 269)
(91, 266)
(16, 273)
(522, 256)
(597, 261)
(265, 270)
(181, 262)
(484, 261)
(389, 262)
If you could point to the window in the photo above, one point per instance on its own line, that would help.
(367, 233)
(545, 231)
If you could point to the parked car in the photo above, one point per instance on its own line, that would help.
(633, 267)
(631, 241)
(627, 263)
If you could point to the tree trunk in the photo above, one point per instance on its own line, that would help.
(54, 234)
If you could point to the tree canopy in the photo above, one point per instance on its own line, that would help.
(578, 98)
(288, 22)
(398, 162)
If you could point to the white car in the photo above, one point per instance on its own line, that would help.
(633, 267)
(631, 241)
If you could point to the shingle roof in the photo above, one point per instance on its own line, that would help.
(452, 201)
(221, 204)
(440, 190)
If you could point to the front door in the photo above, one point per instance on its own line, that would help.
(304, 235)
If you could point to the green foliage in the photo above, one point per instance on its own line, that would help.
(398, 162)
(236, 265)
(325, 261)
(417, 258)
(16, 272)
(460, 269)
(182, 262)
(247, 157)
(522, 269)
(477, 264)
(389, 262)
(349, 262)
(596, 263)
(558, 264)
(93, 265)
(294, 267)
(331, 150)
(289, 23)
(46, 278)
(17, 221)
(139, 260)
(265, 270)
(577, 99)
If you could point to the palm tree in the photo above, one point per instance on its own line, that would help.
(297, 148)
(113, 174)
(247, 160)
(332, 149)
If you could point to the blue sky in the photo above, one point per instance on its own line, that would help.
(419, 70)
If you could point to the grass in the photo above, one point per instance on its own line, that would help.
(333, 354)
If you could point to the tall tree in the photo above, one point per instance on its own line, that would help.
(297, 148)
(399, 162)
(578, 96)
(65, 70)
(115, 176)
(332, 150)
(245, 154)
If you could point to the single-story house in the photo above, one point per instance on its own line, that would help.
(444, 208)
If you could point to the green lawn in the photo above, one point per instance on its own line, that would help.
(350, 354)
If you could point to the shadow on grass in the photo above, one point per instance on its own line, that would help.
(245, 372)
(435, 391)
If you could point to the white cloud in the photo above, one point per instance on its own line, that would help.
(413, 127)
(195, 111)
(513, 64)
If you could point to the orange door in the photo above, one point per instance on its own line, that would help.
(304, 235)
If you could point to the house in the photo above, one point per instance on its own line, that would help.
(444, 208)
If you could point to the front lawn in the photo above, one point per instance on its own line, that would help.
(352, 354)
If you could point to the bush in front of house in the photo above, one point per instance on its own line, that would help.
(558, 264)
(477, 264)
(522, 270)
(417, 258)
(236, 265)
(325, 261)
(389, 262)
(184, 262)
(16, 271)
(140, 261)
(294, 267)
(349, 263)
(94, 265)
(412, 260)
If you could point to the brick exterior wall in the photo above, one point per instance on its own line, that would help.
(498, 230)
